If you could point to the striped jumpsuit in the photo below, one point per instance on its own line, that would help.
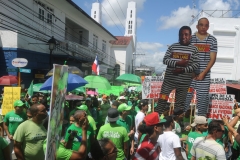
(209, 44)
(180, 82)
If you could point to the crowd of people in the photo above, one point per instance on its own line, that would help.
(126, 127)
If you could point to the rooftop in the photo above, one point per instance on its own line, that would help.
(216, 14)
(121, 40)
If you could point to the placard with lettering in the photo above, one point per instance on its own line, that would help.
(55, 122)
(151, 87)
(171, 98)
(220, 105)
(218, 86)
(11, 94)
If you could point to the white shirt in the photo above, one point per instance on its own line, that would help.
(167, 142)
(138, 119)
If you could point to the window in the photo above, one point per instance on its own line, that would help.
(95, 41)
(41, 14)
(49, 18)
(94, 14)
(104, 46)
(130, 27)
(131, 14)
(117, 70)
(80, 37)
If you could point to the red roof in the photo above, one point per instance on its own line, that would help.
(121, 40)
(236, 86)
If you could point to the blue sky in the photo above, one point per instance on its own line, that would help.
(158, 22)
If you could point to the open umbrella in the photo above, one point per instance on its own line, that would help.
(79, 89)
(97, 82)
(74, 81)
(92, 93)
(71, 69)
(132, 78)
(8, 80)
(37, 86)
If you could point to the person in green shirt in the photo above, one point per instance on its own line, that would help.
(76, 127)
(126, 122)
(200, 125)
(68, 154)
(30, 135)
(4, 149)
(13, 119)
(116, 133)
(104, 109)
(89, 117)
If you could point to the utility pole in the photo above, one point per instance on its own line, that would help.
(134, 57)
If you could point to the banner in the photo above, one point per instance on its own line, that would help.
(58, 92)
(11, 94)
(218, 86)
(171, 98)
(151, 87)
(220, 105)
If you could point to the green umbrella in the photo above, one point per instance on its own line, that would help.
(114, 90)
(80, 89)
(97, 82)
(139, 88)
(37, 86)
(132, 78)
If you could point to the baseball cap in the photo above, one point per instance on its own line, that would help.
(177, 111)
(199, 120)
(143, 102)
(18, 103)
(153, 119)
(84, 108)
(124, 107)
(113, 115)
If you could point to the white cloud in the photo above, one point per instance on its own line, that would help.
(216, 7)
(234, 3)
(183, 15)
(178, 18)
(152, 55)
(114, 11)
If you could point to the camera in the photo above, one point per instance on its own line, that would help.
(75, 135)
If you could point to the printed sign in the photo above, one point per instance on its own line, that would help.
(58, 92)
(11, 94)
(151, 87)
(19, 62)
(203, 47)
(25, 70)
(218, 86)
(220, 105)
(171, 98)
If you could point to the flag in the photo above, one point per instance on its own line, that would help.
(95, 66)
(30, 89)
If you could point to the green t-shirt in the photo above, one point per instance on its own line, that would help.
(3, 144)
(76, 143)
(31, 135)
(13, 120)
(123, 123)
(117, 134)
(104, 111)
(92, 122)
(177, 129)
(191, 138)
(62, 152)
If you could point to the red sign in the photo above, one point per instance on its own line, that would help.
(218, 86)
(220, 105)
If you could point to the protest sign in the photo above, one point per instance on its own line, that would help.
(218, 86)
(172, 99)
(151, 87)
(58, 92)
(11, 94)
(220, 105)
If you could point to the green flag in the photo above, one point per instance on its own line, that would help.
(30, 89)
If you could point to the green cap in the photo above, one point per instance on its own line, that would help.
(18, 103)
(84, 108)
(124, 107)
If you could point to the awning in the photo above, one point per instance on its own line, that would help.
(235, 86)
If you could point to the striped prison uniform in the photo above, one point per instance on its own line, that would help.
(180, 82)
(209, 44)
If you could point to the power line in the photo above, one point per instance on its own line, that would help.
(60, 28)
(121, 9)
